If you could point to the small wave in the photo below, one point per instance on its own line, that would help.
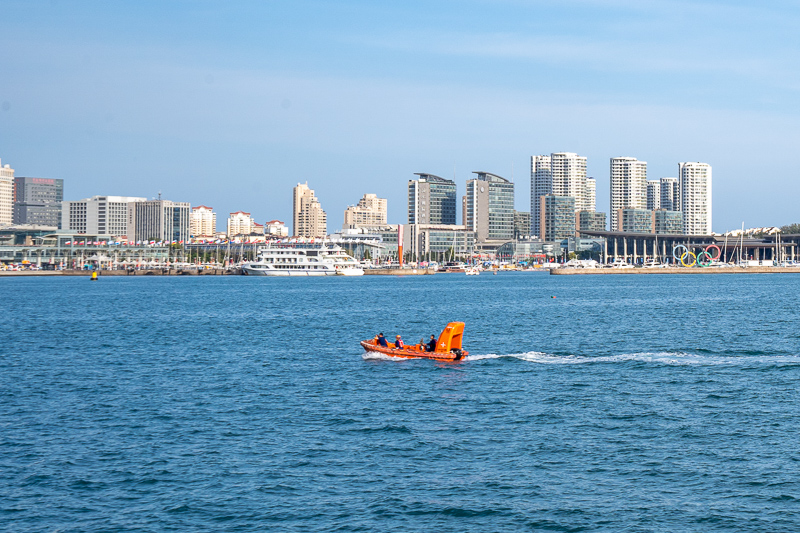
(666, 358)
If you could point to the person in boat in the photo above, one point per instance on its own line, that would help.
(431, 347)
(382, 340)
(398, 342)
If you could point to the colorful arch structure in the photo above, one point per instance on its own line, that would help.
(689, 259)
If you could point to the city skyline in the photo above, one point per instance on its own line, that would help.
(369, 94)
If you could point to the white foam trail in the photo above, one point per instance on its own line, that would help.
(377, 356)
(664, 358)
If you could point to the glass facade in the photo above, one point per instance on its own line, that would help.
(431, 200)
(668, 222)
(636, 220)
(557, 217)
(591, 221)
(38, 201)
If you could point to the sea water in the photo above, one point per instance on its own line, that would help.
(587, 403)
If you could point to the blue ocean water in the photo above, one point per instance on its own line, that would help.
(613, 403)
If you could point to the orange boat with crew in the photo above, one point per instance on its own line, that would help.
(448, 346)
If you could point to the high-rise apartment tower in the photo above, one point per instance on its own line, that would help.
(628, 186)
(308, 218)
(695, 186)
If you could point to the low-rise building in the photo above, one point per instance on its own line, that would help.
(556, 217)
(635, 220)
(276, 228)
(98, 215)
(591, 221)
(668, 222)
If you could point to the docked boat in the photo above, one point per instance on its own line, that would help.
(472, 271)
(302, 259)
(448, 346)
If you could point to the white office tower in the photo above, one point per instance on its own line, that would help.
(653, 195)
(628, 185)
(6, 195)
(308, 218)
(670, 194)
(98, 215)
(370, 212)
(695, 200)
(203, 222)
(560, 174)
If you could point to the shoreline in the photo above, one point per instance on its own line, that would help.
(675, 270)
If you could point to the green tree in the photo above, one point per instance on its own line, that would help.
(791, 228)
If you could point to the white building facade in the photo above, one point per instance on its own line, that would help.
(695, 197)
(628, 185)
(241, 223)
(203, 222)
(98, 215)
(6, 195)
(670, 194)
(276, 228)
(653, 195)
(560, 174)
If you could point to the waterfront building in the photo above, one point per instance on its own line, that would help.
(241, 223)
(203, 222)
(628, 185)
(98, 215)
(653, 194)
(489, 207)
(308, 218)
(431, 200)
(668, 222)
(37, 201)
(635, 220)
(591, 221)
(556, 217)
(695, 199)
(560, 174)
(159, 221)
(438, 241)
(276, 228)
(670, 194)
(368, 213)
(522, 225)
(6, 195)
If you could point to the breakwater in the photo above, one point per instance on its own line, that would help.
(675, 270)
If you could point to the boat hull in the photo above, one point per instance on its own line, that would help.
(411, 352)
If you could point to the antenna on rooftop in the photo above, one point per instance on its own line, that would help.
(159, 195)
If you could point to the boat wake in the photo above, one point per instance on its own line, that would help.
(664, 358)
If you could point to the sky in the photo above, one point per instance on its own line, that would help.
(231, 104)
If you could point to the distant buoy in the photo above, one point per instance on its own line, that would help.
(94, 276)
(552, 297)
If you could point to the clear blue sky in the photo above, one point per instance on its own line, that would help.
(230, 104)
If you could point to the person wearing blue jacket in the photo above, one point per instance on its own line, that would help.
(382, 340)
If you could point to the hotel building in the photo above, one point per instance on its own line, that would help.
(431, 200)
(158, 220)
(98, 215)
(241, 223)
(489, 208)
(203, 222)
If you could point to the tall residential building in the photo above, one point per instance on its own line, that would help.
(653, 194)
(370, 212)
(158, 220)
(431, 200)
(241, 223)
(560, 174)
(6, 195)
(203, 222)
(38, 201)
(695, 200)
(557, 217)
(489, 207)
(98, 215)
(308, 218)
(670, 194)
(628, 185)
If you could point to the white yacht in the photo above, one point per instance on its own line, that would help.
(302, 259)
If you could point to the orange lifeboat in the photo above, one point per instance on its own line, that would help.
(448, 346)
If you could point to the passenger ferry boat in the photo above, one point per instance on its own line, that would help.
(302, 259)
